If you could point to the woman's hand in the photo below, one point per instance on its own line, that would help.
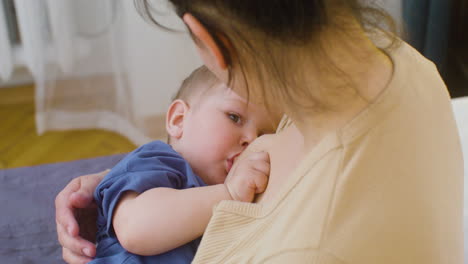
(75, 215)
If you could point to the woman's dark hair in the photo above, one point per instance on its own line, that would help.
(259, 28)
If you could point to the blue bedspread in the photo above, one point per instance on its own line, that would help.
(27, 213)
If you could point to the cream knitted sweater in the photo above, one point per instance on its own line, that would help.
(387, 188)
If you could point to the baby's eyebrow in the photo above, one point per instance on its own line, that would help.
(240, 99)
(239, 103)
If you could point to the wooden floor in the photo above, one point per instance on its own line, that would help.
(21, 146)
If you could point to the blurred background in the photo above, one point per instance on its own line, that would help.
(82, 79)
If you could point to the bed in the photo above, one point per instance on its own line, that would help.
(27, 221)
(27, 225)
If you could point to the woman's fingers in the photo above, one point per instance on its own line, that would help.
(75, 245)
(78, 194)
(83, 197)
(64, 214)
(72, 258)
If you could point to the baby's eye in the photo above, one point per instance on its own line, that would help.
(234, 117)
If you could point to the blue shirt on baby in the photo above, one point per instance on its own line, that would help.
(152, 165)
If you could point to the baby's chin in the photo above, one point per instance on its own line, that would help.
(215, 178)
(220, 180)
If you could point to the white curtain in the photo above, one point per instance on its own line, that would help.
(97, 64)
(6, 66)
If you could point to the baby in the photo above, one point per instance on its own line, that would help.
(155, 204)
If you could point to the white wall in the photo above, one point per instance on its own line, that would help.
(157, 60)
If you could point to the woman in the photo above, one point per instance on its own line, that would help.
(369, 169)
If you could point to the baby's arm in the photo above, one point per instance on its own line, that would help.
(162, 219)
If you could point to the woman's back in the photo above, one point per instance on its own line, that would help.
(379, 174)
(387, 188)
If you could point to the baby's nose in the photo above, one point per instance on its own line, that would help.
(248, 137)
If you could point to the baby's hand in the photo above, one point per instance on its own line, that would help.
(248, 176)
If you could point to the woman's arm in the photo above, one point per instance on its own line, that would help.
(77, 197)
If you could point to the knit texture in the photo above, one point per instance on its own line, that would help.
(386, 188)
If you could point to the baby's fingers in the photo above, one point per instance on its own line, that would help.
(260, 163)
(261, 182)
(262, 167)
(259, 158)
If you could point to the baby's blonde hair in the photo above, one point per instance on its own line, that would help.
(196, 85)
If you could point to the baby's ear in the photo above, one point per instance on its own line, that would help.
(175, 118)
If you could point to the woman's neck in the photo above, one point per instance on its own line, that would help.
(367, 71)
